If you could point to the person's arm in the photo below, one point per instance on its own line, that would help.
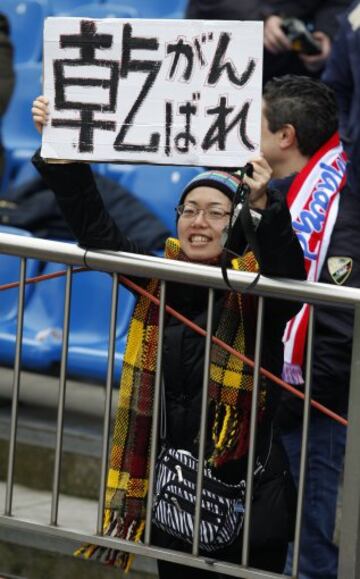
(82, 206)
(78, 197)
(280, 253)
(323, 15)
(277, 247)
(326, 23)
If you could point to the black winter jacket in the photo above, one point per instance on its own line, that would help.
(333, 327)
(281, 255)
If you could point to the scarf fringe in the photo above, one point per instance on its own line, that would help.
(292, 373)
(108, 555)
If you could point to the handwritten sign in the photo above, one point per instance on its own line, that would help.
(184, 92)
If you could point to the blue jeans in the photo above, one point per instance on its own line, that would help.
(318, 553)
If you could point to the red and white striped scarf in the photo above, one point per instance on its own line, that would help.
(313, 200)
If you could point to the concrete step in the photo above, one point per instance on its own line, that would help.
(34, 457)
(38, 557)
(82, 396)
(36, 433)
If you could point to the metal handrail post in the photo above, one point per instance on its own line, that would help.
(304, 445)
(203, 421)
(156, 413)
(16, 389)
(252, 436)
(107, 405)
(61, 402)
(349, 560)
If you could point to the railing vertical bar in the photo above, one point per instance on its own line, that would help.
(61, 400)
(252, 437)
(203, 420)
(349, 559)
(304, 443)
(156, 413)
(107, 404)
(16, 390)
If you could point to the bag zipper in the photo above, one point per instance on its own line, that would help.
(188, 507)
(215, 486)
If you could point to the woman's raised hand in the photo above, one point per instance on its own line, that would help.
(258, 183)
(40, 112)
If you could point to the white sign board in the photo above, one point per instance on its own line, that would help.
(184, 92)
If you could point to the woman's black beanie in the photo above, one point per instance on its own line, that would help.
(227, 183)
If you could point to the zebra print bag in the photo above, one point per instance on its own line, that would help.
(222, 505)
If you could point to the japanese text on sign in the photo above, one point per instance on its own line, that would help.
(165, 91)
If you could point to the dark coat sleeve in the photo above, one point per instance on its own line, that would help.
(322, 13)
(280, 253)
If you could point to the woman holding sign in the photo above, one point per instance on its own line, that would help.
(203, 222)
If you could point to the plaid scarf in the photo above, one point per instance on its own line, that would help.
(230, 391)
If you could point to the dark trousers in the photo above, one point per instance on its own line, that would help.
(326, 448)
(272, 559)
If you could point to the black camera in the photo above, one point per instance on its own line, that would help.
(301, 39)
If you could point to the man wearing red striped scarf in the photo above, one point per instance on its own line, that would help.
(301, 143)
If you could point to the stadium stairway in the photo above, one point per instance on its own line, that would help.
(22, 553)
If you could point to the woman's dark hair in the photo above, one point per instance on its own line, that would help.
(307, 104)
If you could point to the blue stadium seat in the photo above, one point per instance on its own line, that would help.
(89, 326)
(115, 171)
(159, 188)
(42, 334)
(159, 8)
(26, 18)
(20, 138)
(61, 7)
(25, 173)
(10, 272)
(94, 10)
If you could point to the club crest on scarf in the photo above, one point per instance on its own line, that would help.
(340, 268)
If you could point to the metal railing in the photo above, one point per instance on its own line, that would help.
(168, 270)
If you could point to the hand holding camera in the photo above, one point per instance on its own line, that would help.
(291, 34)
(300, 37)
(257, 180)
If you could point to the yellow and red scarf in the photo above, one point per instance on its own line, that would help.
(230, 390)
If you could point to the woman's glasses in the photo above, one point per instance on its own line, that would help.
(190, 212)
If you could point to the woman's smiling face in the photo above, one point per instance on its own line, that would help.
(199, 236)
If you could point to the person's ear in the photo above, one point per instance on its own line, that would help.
(287, 136)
